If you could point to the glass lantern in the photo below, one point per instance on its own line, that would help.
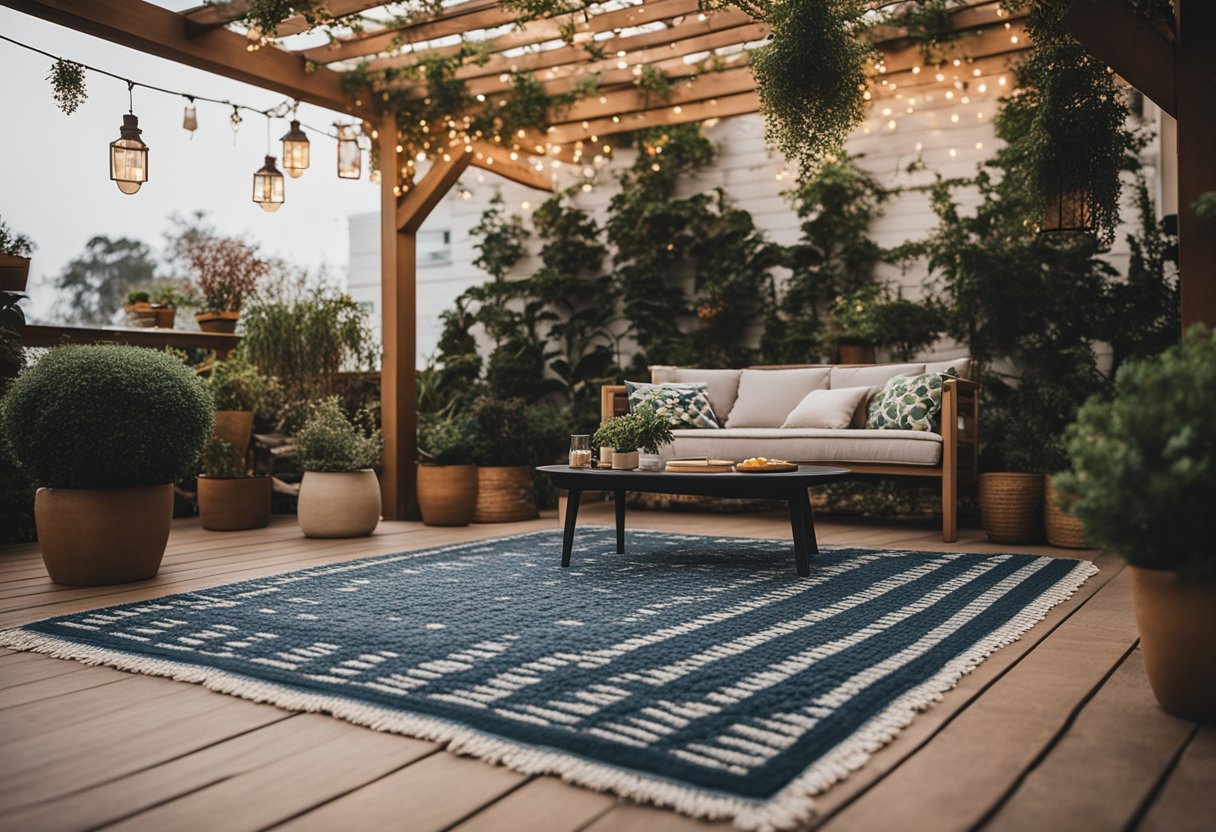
(295, 151)
(350, 156)
(580, 451)
(190, 119)
(129, 156)
(268, 186)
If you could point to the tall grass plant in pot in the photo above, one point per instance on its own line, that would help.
(105, 431)
(447, 477)
(339, 495)
(1143, 481)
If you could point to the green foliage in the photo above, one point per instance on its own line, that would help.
(104, 416)
(501, 239)
(92, 287)
(13, 244)
(906, 327)
(1204, 207)
(12, 325)
(330, 441)
(1144, 464)
(502, 431)
(221, 461)
(656, 87)
(641, 429)
(445, 440)
(928, 24)
(67, 85)
(236, 384)
(306, 341)
(810, 76)
(852, 315)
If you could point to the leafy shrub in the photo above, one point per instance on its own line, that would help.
(237, 385)
(105, 416)
(445, 441)
(330, 441)
(503, 436)
(220, 460)
(1144, 464)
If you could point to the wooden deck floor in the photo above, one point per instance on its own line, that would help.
(1057, 731)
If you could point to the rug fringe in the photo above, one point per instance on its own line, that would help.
(787, 809)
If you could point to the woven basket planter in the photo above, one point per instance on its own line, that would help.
(1011, 507)
(1063, 529)
(447, 494)
(504, 495)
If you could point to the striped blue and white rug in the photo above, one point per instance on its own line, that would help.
(695, 672)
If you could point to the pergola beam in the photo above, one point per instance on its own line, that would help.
(416, 205)
(730, 105)
(1128, 42)
(156, 31)
(497, 159)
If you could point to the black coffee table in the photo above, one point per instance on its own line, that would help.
(789, 486)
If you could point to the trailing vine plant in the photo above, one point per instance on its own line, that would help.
(67, 85)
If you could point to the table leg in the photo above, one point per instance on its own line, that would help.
(572, 499)
(801, 527)
(619, 499)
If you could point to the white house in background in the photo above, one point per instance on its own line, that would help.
(951, 137)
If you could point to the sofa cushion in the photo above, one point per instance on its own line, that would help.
(875, 375)
(723, 384)
(809, 445)
(686, 405)
(908, 402)
(766, 397)
(827, 408)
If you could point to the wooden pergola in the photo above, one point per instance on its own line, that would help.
(703, 54)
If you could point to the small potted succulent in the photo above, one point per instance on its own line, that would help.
(229, 497)
(854, 325)
(139, 309)
(447, 477)
(226, 272)
(1142, 481)
(239, 391)
(15, 250)
(105, 430)
(642, 429)
(339, 495)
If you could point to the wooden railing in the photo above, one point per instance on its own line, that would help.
(37, 335)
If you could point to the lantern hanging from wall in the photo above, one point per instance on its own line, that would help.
(128, 153)
(1068, 212)
(268, 190)
(350, 156)
(295, 151)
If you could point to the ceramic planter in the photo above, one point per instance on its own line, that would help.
(447, 494)
(624, 460)
(1011, 507)
(233, 504)
(1177, 621)
(97, 536)
(14, 272)
(345, 504)
(234, 427)
(504, 494)
(218, 321)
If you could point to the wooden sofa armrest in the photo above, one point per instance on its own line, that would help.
(960, 426)
(614, 401)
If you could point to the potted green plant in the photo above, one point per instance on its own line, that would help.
(447, 477)
(105, 430)
(164, 303)
(854, 325)
(504, 454)
(139, 309)
(229, 497)
(641, 429)
(339, 495)
(15, 250)
(226, 272)
(1142, 481)
(238, 390)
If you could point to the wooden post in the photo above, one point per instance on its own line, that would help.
(1195, 65)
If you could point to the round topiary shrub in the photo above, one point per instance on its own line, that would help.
(103, 416)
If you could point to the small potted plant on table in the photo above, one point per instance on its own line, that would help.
(229, 497)
(79, 423)
(226, 272)
(339, 495)
(15, 250)
(642, 429)
(447, 477)
(1142, 481)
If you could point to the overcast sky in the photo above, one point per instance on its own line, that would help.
(56, 187)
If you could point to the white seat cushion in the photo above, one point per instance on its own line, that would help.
(895, 447)
(723, 384)
(827, 408)
(766, 397)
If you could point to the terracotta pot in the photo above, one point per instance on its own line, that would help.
(1011, 507)
(165, 316)
(856, 352)
(140, 314)
(447, 494)
(232, 504)
(235, 427)
(14, 272)
(624, 460)
(1177, 621)
(218, 321)
(1063, 529)
(504, 494)
(96, 536)
(345, 504)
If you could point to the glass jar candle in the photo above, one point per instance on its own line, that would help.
(580, 451)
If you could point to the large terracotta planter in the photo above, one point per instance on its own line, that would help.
(1011, 507)
(232, 504)
(504, 494)
(1063, 529)
(235, 427)
(1177, 622)
(856, 352)
(97, 536)
(447, 494)
(339, 504)
(218, 321)
(14, 273)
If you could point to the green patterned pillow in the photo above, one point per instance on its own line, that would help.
(684, 405)
(908, 402)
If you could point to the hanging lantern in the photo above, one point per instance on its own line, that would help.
(129, 156)
(295, 151)
(350, 157)
(190, 118)
(268, 186)
(1067, 213)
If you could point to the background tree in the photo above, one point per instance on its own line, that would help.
(93, 287)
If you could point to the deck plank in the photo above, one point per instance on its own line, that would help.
(544, 804)
(1187, 801)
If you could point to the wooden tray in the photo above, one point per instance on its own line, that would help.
(700, 466)
(770, 468)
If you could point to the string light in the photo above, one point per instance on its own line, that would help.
(128, 153)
